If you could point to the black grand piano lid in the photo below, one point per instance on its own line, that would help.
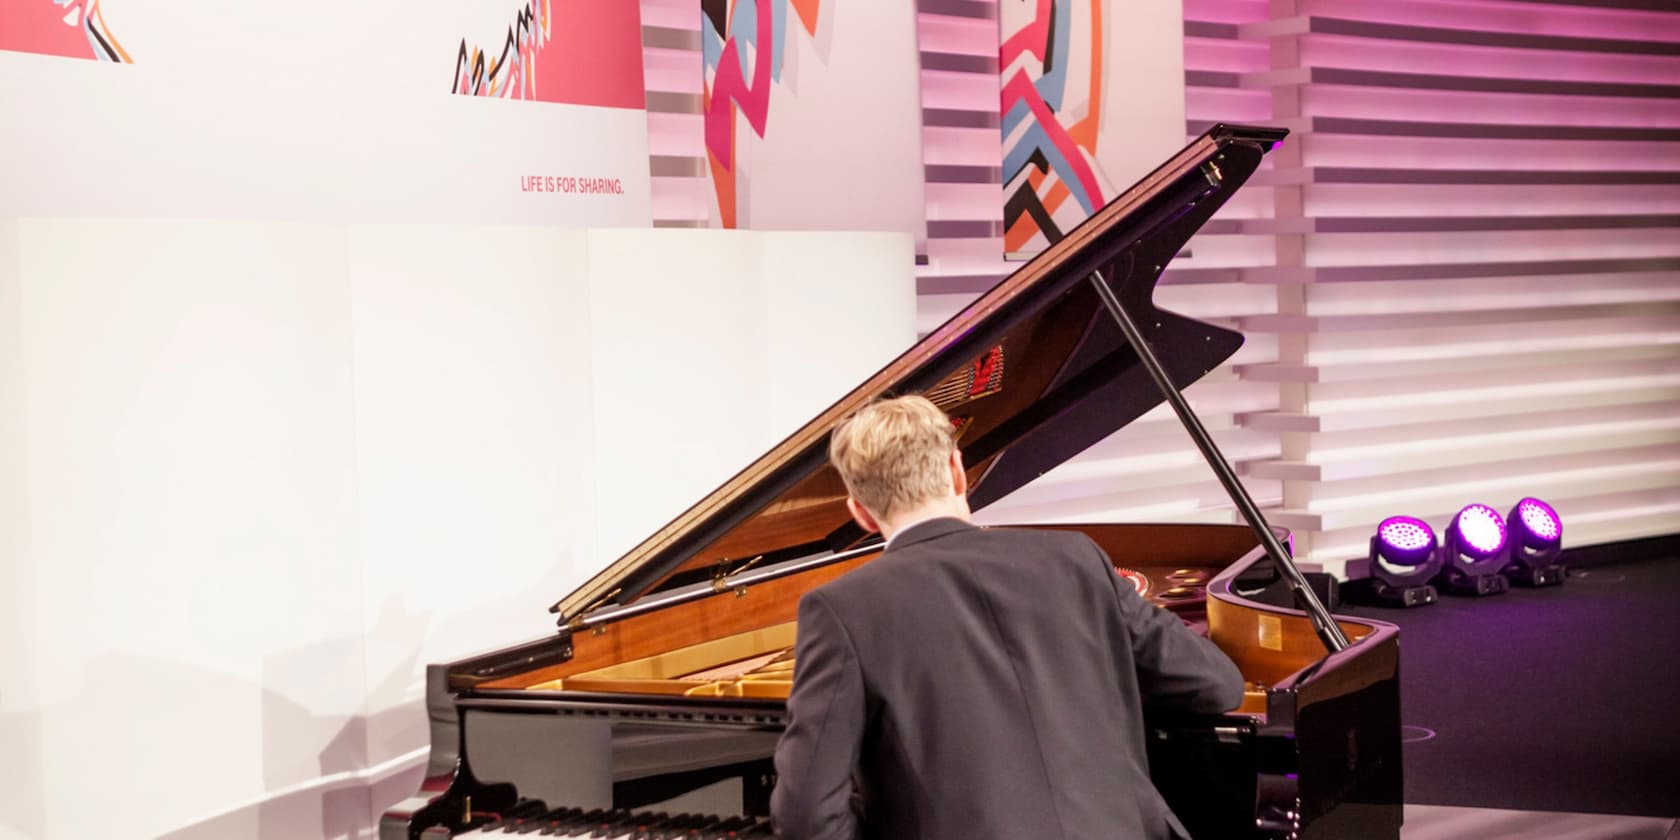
(1032, 373)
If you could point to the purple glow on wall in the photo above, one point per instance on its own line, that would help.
(1483, 62)
(1481, 108)
(1482, 530)
(1518, 18)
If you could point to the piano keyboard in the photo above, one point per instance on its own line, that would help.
(532, 819)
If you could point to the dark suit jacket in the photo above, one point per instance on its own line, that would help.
(984, 684)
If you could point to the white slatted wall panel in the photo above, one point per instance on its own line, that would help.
(673, 71)
(1478, 272)
(1459, 279)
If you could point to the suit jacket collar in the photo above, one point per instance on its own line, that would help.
(928, 530)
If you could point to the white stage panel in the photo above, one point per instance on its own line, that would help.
(191, 514)
(710, 347)
(471, 359)
(840, 307)
(22, 813)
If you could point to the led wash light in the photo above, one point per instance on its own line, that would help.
(1406, 541)
(1474, 551)
(1404, 556)
(1536, 536)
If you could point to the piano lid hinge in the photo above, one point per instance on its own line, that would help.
(721, 576)
(576, 622)
(1210, 171)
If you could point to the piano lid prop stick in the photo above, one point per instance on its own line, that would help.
(1328, 630)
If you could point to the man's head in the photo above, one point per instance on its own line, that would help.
(899, 458)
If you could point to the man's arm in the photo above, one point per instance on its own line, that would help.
(826, 717)
(1176, 666)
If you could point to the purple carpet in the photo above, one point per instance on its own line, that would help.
(1565, 698)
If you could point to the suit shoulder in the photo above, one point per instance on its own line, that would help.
(868, 582)
(1071, 542)
(846, 586)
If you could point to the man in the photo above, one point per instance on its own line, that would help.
(972, 684)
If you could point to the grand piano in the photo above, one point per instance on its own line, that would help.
(654, 709)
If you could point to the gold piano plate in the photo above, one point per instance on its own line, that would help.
(706, 669)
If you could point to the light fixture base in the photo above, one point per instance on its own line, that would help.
(1551, 574)
(1376, 592)
(1403, 596)
(1474, 585)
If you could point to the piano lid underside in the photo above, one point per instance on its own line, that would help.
(1020, 406)
(1033, 372)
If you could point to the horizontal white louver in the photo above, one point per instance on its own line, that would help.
(1481, 295)
(672, 70)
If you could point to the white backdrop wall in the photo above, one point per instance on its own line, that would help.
(20, 731)
(190, 505)
(268, 472)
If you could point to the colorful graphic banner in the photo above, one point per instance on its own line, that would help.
(741, 41)
(812, 115)
(584, 52)
(329, 112)
(68, 28)
(1051, 62)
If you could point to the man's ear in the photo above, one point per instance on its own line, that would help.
(862, 516)
(959, 476)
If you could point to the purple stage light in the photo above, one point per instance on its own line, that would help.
(1404, 557)
(1536, 544)
(1406, 541)
(1536, 523)
(1474, 551)
(1482, 529)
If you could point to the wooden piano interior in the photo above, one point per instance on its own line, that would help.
(739, 643)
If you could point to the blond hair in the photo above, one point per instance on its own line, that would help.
(892, 454)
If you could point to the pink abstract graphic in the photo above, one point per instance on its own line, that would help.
(69, 28)
(582, 52)
(734, 33)
(512, 73)
(1051, 62)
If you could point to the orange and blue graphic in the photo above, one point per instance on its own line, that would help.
(582, 52)
(70, 28)
(742, 40)
(1051, 66)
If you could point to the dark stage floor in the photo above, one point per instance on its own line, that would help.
(1558, 699)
